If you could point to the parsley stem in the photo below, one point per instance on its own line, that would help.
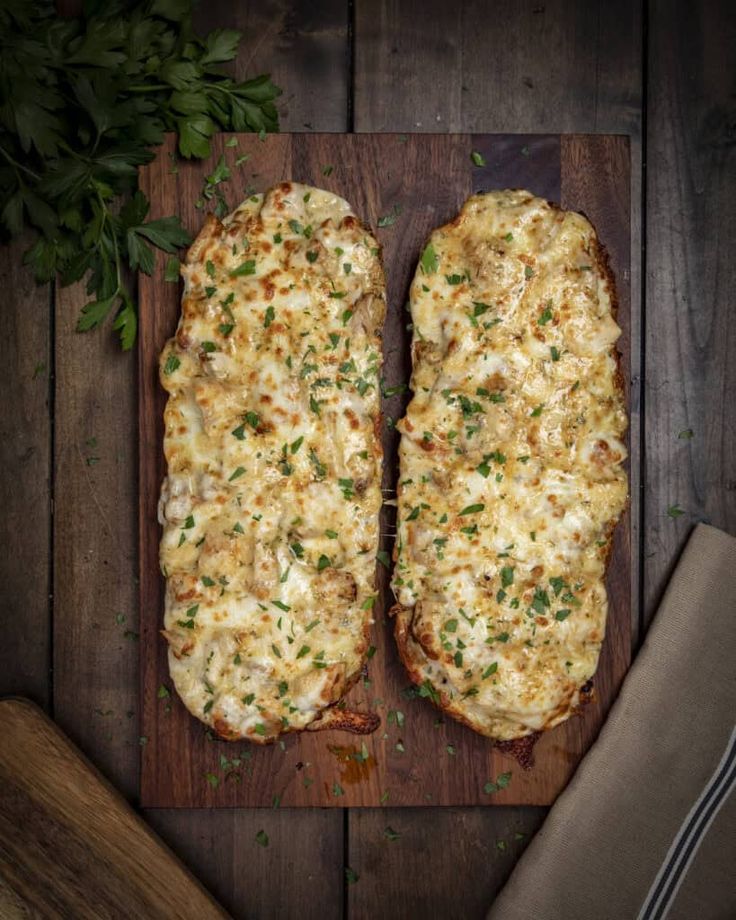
(147, 88)
(19, 165)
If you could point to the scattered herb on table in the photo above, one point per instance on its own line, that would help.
(502, 781)
(82, 101)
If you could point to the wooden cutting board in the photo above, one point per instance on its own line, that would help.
(415, 758)
(70, 845)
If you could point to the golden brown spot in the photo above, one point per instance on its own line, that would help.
(266, 398)
(269, 289)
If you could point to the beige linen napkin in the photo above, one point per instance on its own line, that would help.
(646, 827)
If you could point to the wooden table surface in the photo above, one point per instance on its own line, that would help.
(663, 75)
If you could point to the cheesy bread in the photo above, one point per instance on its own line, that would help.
(270, 504)
(511, 454)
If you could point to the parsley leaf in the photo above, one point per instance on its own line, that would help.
(90, 96)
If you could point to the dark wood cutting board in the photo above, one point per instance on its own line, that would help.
(70, 845)
(416, 757)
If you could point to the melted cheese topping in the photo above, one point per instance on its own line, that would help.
(511, 451)
(270, 507)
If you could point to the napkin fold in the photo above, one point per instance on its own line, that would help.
(647, 826)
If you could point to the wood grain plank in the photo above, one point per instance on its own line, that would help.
(418, 758)
(298, 874)
(691, 275)
(95, 605)
(393, 878)
(455, 68)
(69, 844)
(305, 48)
(25, 458)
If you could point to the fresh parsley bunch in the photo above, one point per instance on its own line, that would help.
(82, 101)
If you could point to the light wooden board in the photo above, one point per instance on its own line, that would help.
(69, 844)
(427, 177)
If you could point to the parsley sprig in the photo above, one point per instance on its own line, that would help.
(82, 101)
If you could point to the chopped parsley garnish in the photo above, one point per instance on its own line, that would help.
(245, 268)
(383, 557)
(477, 158)
(427, 691)
(472, 509)
(239, 432)
(209, 267)
(674, 511)
(368, 603)
(469, 407)
(388, 220)
(528, 271)
(507, 576)
(535, 413)
(554, 353)
(491, 669)
(295, 445)
(413, 514)
(346, 485)
(298, 550)
(454, 279)
(545, 316)
(262, 838)
(237, 473)
(209, 347)
(557, 585)
(281, 605)
(509, 237)
(253, 419)
(319, 468)
(172, 364)
(310, 626)
(451, 625)
(562, 614)
(304, 650)
(502, 781)
(429, 260)
(314, 405)
(540, 602)
(188, 523)
(324, 562)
